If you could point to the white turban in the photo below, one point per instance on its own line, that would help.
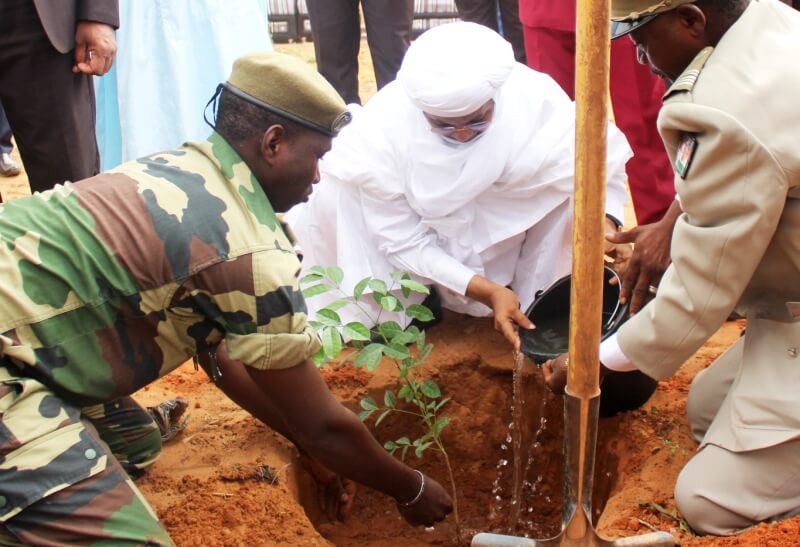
(453, 69)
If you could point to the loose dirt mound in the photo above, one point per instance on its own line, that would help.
(210, 488)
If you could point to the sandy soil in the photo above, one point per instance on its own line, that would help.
(206, 489)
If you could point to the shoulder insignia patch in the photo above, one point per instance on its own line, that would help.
(685, 154)
(686, 81)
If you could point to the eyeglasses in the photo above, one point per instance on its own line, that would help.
(474, 127)
(448, 130)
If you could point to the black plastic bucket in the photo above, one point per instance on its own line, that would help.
(550, 313)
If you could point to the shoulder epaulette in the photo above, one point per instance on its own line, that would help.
(686, 81)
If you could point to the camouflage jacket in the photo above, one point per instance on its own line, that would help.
(112, 282)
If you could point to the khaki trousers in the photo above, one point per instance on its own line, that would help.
(720, 491)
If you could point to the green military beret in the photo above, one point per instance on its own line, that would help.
(290, 87)
(628, 15)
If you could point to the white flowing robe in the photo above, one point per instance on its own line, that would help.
(394, 196)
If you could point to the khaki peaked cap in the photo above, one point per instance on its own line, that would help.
(628, 15)
(629, 10)
(290, 87)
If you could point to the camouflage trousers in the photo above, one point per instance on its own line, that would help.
(63, 478)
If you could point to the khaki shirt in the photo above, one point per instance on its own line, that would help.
(737, 245)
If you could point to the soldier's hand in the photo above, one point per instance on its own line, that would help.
(555, 374)
(335, 493)
(650, 258)
(95, 48)
(433, 506)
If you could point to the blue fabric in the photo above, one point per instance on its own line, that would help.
(171, 54)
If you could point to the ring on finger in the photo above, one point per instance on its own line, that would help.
(652, 289)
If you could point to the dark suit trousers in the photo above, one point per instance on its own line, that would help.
(484, 12)
(336, 28)
(51, 110)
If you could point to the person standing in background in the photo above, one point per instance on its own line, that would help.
(336, 28)
(171, 56)
(49, 49)
(484, 12)
(8, 165)
(549, 30)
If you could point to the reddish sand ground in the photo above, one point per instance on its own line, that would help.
(206, 491)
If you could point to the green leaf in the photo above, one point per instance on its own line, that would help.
(319, 358)
(388, 398)
(360, 286)
(403, 441)
(370, 356)
(420, 450)
(310, 278)
(431, 390)
(382, 416)
(419, 312)
(390, 303)
(390, 445)
(331, 342)
(404, 392)
(338, 304)
(319, 270)
(316, 325)
(403, 338)
(414, 286)
(395, 351)
(356, 331)
(368, 403)
(425, 352)
(329, 317)
(397, 275)
(336, 274)
(364, 415)
(440, 424)
(314, 290)
(389, 330)
(440, 404)
(378, 286)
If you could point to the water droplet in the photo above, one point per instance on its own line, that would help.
(503, 462)
(504, 447)
(508, 438)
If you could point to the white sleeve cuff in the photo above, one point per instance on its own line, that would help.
(453, 275)
(613, 358)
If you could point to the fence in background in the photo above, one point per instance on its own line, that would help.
(288, 19)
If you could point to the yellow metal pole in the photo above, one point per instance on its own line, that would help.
(592, 99)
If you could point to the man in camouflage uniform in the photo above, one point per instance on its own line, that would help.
(110, 283)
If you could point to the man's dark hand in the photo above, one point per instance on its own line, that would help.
(335, 493)
(434, 505)
(651, 243)
(646, 266)
(555, 374)
(508, 317)
(95, 48)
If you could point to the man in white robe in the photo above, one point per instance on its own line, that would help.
(461, 172)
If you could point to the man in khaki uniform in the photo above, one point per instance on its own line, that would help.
(109, 283)
(730, 124)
